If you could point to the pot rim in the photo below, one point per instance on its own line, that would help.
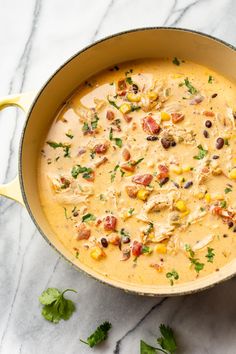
(111, 282)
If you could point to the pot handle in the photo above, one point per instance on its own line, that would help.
(12, 189)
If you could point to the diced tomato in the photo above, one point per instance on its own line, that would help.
(122, 87)
(83, 232)
(217, 210)
(110, 223)
(110, 115)
(164, 172)
(209, 113)
(150, 126)
(137, 248)
(100, 148)
(127, 118)
(129, 166)
(177, 117)
(145, 179)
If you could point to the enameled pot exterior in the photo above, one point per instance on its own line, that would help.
(135, 44)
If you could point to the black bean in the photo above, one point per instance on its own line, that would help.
(135, 88)
(163, 181)
(152, 138)
(126, 239)
(214, 95)
(104, 242)
(206, 134)
(173, 143)
(230, 224)
(176, 184)
(215, 157)
(165, 143)
(219, 143)
(75, 213)
(225, 235)
(188, 184)
(208, 123)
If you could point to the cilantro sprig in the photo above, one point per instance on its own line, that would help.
(167, 343)
(194, 261)
(100, 334)
(201, 153)
(191, 88)
(55, 306)
(85, 171)
(117, 141)
(210, 254)
(65, 146)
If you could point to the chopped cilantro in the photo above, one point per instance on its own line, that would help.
(137, 162)
(195, 261)
(173, 275)
(130, 211)
(223, 204)
(94, 123)
(191, 88)
(201, 153)
(85, 128)
(129, 80)
(69, 134)
(146, 249)
(85, 171)
(228, 190)
(210, 79)
(117, 141)
(176, 61)
(166, 341)
(112, 103)
(210, 254)
(88, 217)
(99, 335)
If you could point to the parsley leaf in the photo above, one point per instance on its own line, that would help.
(86, 171)
(100, 334)
(191, 88)
(88, 217)
(56, 307)
(201, 153)
(167, 341)
(210, 254)
(176, 61)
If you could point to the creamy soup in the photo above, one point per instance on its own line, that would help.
(137, 172)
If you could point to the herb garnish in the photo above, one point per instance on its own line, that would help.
(146, 249)
(56, 307)
(191, 88)
(88, 217)
(201, 153)
(223, 204)
(210, 254)
(69, 134)
(117, 141)
(173, 275)
(129, 80)
(228, 190)
(166, 341)
(55, 145)
(86, 171)
(210, 79)
(137, 162)
(195, 261)
(99, 335)
(176, 61)
(113, 103)
(94, 123)
(130, 211)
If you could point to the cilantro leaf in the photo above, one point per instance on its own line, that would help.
(56, 307)
(201, 153)
(167, 341)
(173, 275)
(129, 80)
(88, 217)
(191, 88)
(112, 103)
(146, 348)
(94, 123)
(210, 254)
(118, 142)
(228, 190)
(176, 61)
(100, 334)
(210, 79)
(85, 171)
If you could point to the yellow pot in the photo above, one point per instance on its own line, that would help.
(41, 108)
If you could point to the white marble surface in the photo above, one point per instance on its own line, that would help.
(36, 36)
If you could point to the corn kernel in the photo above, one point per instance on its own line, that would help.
(177, 76)
(133, 97)
(143, 194)
(187, 168)
(180, 205)
(151, 235)
(128, 173)
(160, 248)
(232, 173)
(125, 108)
(97, 253)
(200, 195)
(176, 169)
(208, 198)
(165, 116)
(184, 213)
(153, 95)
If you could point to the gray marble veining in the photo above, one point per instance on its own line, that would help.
(36, 36)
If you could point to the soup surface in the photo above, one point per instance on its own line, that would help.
(137, 172)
